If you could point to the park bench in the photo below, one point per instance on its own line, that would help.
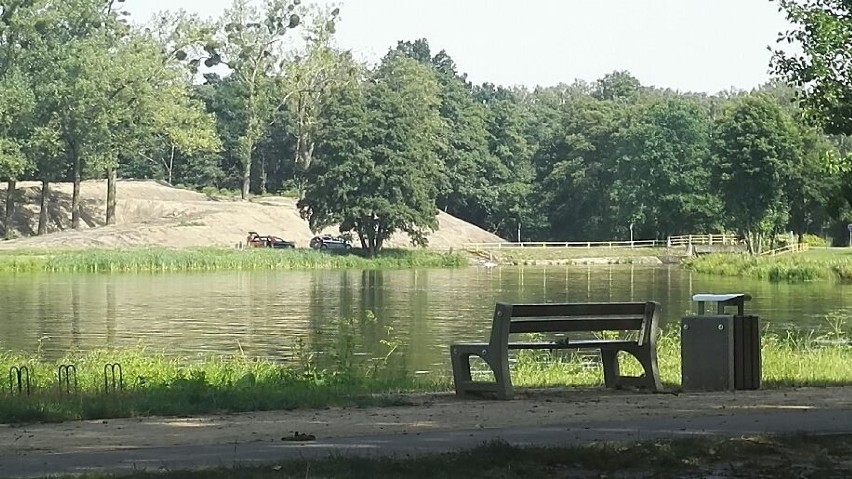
(640, 319)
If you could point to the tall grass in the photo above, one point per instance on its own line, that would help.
(214, 259)
(793, 269)
(154, 383)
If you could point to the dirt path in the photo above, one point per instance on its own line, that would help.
(427, 413)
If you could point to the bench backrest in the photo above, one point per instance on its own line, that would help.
(575, 317)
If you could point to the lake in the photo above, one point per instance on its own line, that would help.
(263, 314)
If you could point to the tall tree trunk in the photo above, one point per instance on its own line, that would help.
(246, 182)
(42, 208)
(245, 158)
(11, 185)
(304, 159)
(110, 208)
(75, 197)
(171, 166)
(263, 175)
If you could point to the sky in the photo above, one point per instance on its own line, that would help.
(687, 45)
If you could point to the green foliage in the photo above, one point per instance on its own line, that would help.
(821, 30)
(576, 169)
(814, 240)
(376, 160)
(756, 149)
(663, 179)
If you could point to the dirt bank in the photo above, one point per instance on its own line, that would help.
(152, 214)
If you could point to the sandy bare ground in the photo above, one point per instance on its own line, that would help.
(426, 413)
(149, 213)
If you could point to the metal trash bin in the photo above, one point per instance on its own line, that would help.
(720, 351)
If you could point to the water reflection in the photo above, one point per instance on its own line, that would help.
(263, 314)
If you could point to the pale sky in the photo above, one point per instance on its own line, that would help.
(688, 45)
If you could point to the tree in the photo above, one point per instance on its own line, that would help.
(77, 81)
(15, 107)
(45, 148)
(823, 69)
(756, 150)
(512, 215)
(376, 156)
(816, 181)
(16, 28)
(575, 169)
(617, 85)
(663, 181)
(251, 43)
(304, 83)
(472, 175)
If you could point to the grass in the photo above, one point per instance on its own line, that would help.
(822, 264)
(152, 383)
(156, 384)
(791, 359)
(780, 457)
(537, 254)
(212, 259)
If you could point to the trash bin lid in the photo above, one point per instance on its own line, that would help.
(720, 298)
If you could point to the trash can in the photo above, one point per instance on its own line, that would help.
(720, 351)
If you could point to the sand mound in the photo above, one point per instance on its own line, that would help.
(149, 213)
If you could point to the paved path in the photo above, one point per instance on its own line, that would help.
(817, 421)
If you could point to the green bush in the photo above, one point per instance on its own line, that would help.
(815, 241)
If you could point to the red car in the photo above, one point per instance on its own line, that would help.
(255, 240)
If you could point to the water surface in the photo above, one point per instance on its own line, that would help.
(263, 314)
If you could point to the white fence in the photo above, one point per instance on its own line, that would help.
(687, 240)
(671, 242)
(569, 244)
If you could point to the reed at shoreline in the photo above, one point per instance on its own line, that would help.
(166, 260)
(823, 265)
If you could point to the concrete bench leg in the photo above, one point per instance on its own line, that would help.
(460, 356)
(612, 372)
(647, 357)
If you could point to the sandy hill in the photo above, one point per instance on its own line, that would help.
(151, 213)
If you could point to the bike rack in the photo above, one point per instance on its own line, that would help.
(113, 382)
(19, 377)
(67, 373)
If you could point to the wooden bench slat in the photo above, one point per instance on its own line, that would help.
(565, 325)
(577, 309)
(579, 344)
